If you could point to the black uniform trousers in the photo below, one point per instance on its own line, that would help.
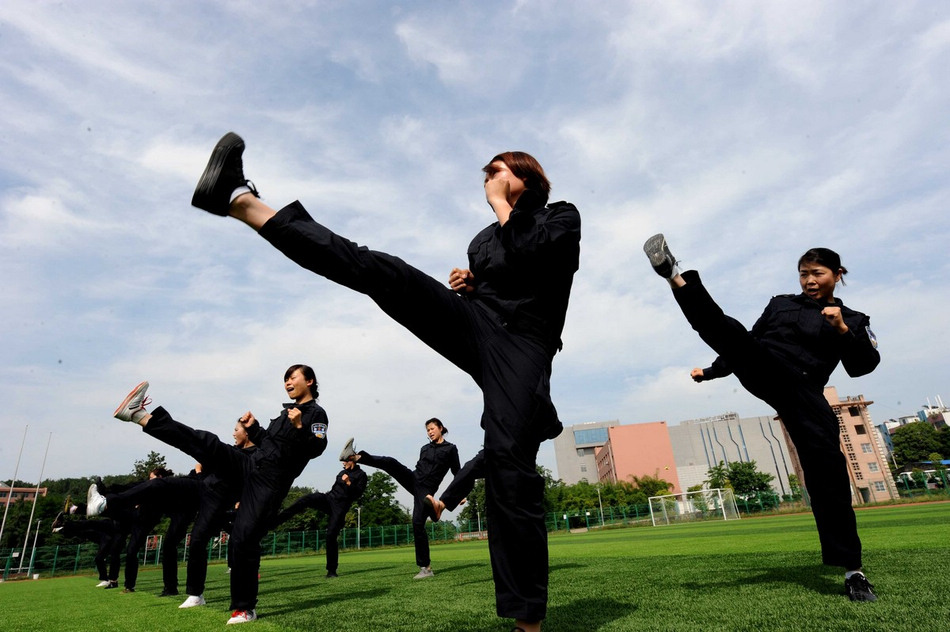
(335, 507)
(807, 416)
(174, 496)
(512, 371)
(421, 508)
(174, 535)
(260, 498)
(212, 507)
(102, 532)
(464, 481)
(144, 523)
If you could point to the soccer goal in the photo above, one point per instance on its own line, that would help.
(705, 504)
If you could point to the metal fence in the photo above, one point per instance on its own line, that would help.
(71, 559)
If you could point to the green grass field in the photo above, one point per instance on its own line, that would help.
(753, 574)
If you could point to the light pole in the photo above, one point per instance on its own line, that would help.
(601, 503)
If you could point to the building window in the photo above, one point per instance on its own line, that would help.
(866, 448)
(879, 486)
(594, 435)
(872, 467)
(854, 411)
(856, 467)
(858, 476)
(580, 451)
(859, 429)
(583, 468)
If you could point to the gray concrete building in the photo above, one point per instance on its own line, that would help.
(699, 444)
(574, 451)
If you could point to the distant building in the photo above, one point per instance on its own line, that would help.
(574, 451)
(19, 493)
(642, 449)
(870, 474)
(700, 444)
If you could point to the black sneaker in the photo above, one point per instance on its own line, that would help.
(224, 174)
(331, 574)
(660, 256)
(858, 588)
(112, 584)
(168, 593)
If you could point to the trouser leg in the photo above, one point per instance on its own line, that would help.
(336, 514)
(207, 524)
(420, 537)
(518, 415)
(464, 481)
(403, 475)
(136, 543)
(813, 427)
(177, 528)
(259, 502)
(203, 446)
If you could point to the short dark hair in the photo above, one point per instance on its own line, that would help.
(439, 424)
(308, 375)
(161, 472)
(524, 166)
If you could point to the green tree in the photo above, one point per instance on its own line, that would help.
(795, 486)
(474, 505)
(379, 505)
(718, 476)
(746, 480)
(914, 442)
(142, 468)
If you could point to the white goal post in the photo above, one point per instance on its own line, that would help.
(705, 504)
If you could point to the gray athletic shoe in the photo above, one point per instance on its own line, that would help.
(132, 407)
(223, 174)
(348, 452)
(660, 256)
(424, 572)
(95, 502)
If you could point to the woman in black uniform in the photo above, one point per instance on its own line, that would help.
(435, 459)
(296, 435)
(786, 361)
(500, 321)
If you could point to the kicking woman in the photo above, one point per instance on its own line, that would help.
(435, 459)
(786, 361)
(294, 437)
(500, 321)
(349, 485)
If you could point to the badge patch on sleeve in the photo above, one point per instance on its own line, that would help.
(319, 430)
(871, 337)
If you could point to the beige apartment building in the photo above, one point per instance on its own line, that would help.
(870, 474)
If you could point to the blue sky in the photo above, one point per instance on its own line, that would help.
(746, 131)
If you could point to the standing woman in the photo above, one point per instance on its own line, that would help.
(500, 321)
(435, 459)
(786, 361)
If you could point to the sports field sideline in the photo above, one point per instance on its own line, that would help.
(759, 573)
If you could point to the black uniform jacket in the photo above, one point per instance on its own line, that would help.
(347, 494)
(435, 459)
(283, 450)
(523, 271)
(793, 328)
